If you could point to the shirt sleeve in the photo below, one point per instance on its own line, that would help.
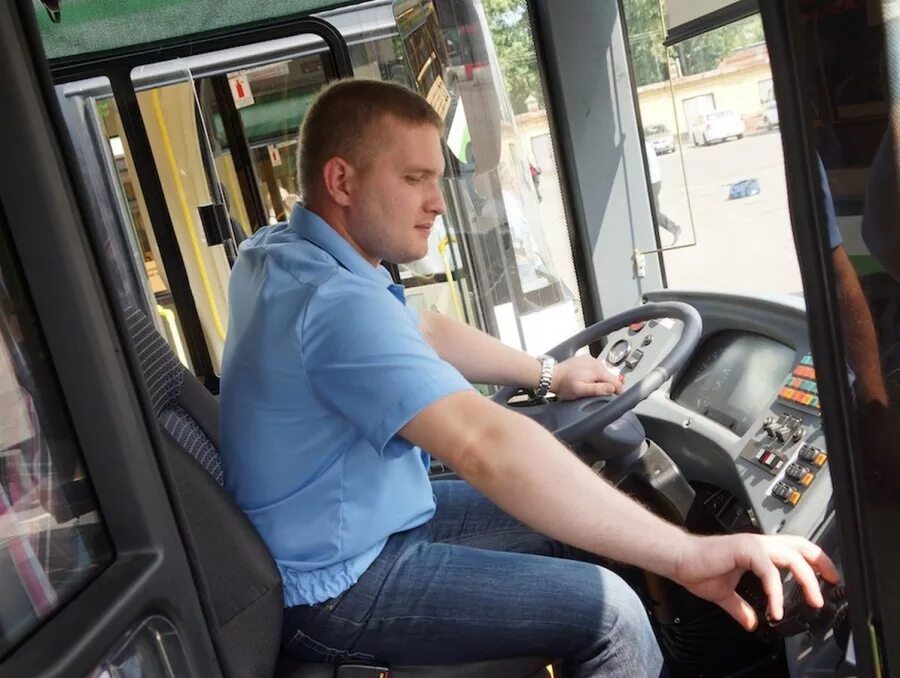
(834, 234)
(366, 359)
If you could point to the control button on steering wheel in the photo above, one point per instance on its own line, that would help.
(618, 352)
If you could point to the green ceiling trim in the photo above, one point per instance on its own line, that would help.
(90, 26)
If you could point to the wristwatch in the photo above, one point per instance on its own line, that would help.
(547, 364)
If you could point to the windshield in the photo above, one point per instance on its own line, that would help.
(719, 192)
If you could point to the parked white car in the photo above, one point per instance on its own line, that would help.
(716, 126)
(660, 138)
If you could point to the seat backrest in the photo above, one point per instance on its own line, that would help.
(181, 405)
(232, 565)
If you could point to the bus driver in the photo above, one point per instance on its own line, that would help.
(332, 388)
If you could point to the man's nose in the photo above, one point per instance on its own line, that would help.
(436, 204)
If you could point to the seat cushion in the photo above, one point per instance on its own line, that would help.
(526, 667)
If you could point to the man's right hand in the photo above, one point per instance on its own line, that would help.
(710, 567)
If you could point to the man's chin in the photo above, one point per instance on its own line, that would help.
(409, 258)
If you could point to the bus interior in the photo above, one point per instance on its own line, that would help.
(746, 287)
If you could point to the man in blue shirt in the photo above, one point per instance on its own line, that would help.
(332, 388)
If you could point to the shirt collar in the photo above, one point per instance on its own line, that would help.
(310, 226)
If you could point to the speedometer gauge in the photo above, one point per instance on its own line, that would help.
(618, 352)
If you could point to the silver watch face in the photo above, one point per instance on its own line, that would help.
(618, 352)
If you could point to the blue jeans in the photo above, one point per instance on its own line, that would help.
(475, 584)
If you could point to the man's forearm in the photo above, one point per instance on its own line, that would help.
(530, 475)
(577, 507)
(479, 357)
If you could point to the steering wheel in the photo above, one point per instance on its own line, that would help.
(573, 420)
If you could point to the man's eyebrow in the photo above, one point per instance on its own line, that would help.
(427, 171)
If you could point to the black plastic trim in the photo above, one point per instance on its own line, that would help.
(708, 22)
(240, 151)
(100, 64)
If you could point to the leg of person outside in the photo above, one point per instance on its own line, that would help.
(661, 218)
(475, 584)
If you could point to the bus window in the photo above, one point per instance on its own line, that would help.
(228, 139)
(178, 140)
(500, 259)
(504, 239)
(52, 538)
(714, 155)
(281, 92)
(107, 164)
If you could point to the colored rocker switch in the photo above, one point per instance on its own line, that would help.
(769, 459)
(781, 491)
(785, 493)
(813, 455)
(800, 474)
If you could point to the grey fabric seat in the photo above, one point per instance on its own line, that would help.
(238, 577)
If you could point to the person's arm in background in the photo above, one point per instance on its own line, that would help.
(859, 328)
(482, 359)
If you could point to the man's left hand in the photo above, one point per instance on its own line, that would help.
(583, 376)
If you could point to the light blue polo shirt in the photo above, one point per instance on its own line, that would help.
(323, 364)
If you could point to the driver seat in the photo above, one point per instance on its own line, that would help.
(237, 580)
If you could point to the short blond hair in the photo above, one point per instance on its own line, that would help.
(342, 121)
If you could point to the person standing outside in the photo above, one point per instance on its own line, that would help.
(536, 179)
(655, 188)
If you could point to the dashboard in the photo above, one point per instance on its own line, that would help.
(743, 415)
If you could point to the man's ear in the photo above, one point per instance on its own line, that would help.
(337, 179)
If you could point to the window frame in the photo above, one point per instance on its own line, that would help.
(118, 68)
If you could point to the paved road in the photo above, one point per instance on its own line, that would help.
(741, 245)
(738, 246)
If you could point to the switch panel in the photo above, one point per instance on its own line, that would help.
(780, 447)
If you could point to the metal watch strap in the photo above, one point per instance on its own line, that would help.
(547, 365)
